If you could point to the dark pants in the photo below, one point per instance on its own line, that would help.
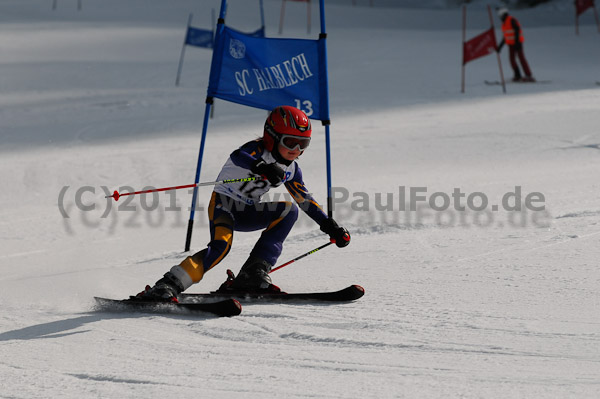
(513, 54)
(226, 216)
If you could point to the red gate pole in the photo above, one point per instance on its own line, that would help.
(464, 38)
(497, 54)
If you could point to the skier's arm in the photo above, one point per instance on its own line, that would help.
(517, 30)
(500, 45)
(248, 154)
(298, 190)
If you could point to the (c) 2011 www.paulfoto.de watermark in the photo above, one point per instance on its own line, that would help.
(408, 206)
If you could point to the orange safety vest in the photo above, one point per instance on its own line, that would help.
(509, 33)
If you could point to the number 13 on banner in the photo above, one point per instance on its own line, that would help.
(305, 106)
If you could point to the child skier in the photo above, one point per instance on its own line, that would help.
(237, 207)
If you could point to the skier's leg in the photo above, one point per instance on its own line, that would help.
(192, 269)
(270, 243)
(513, 63)
(278, 219)
(524, 64)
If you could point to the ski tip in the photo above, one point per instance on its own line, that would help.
(236, 307)
(359, 290)
(225, 308)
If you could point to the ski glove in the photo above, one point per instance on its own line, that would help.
(499, 48)
(270, 171)
(338, 234)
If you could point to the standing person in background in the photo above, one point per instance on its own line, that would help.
(513, 37)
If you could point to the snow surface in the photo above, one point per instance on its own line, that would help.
(458, 303)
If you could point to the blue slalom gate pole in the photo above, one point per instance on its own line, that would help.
(188, 239)
(326, 122)
(209, 102)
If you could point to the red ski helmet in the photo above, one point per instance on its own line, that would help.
(289, 126)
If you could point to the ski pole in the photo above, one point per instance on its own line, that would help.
(116, 195)
(302, 256)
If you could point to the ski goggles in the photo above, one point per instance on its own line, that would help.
(294, 142)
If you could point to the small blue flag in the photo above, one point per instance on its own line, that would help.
(199, 38)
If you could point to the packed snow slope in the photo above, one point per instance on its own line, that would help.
(466, 294)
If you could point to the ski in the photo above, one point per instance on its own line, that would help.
(225, 308)
(347, 294)
(497, 82)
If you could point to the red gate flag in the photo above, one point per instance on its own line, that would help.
(582, 5)
(479, 46)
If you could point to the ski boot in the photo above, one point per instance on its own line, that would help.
(253, 277)
(165, 290)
